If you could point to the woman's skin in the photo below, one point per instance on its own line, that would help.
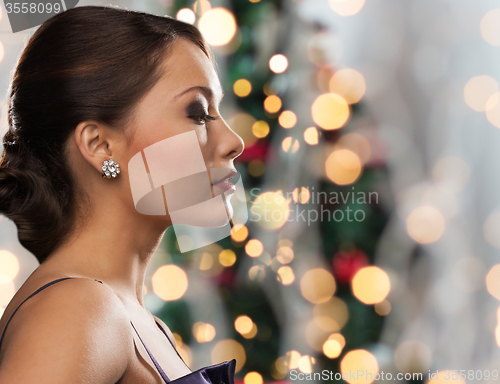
(78, 330)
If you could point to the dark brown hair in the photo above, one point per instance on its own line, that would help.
(87, 63)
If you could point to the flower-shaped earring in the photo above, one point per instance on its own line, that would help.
(110, 169)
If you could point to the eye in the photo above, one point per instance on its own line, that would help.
(203, 119)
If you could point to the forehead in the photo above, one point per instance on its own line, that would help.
(186, 66)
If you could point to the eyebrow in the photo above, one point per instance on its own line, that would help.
(205, 89)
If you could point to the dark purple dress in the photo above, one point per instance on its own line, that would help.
(222, 373)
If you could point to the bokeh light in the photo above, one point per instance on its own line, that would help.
(253, 378)
(239, 233)
(278, 63)
(227, 257)
(371, 285)
(317, 285)
(254, 248)
(260, 129)
(271, 210)
(287, 119)
(186, 15)
(356, 143)
(285, 275)
(311, 136)
(493, 281)
(203, 332)
(359, 359)
(330, 111)
(343, 167)
(228, 349)
(169, 282)
(272, 103)
(242, 87)
(348, 83)
(425, 224)
(217, 26)
(478, 91)
(490, 27)
(289, 144)
(346, 7)
(285, 255)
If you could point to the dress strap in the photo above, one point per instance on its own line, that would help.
(160, 370)
(30, 296)
(173, 346)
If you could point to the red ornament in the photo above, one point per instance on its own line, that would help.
(346, 263)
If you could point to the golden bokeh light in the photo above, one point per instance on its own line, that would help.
(305, 364)
(285, 275)
(201, 6)
(335, 308)
(285, 255)
(243, 324)
(203, 332)
(317, 285)
(293, 358)
(252, 333)
(169, 282)
(271, 210)
(348, 83)
(272, 103)
(356, 143)
(451, 174)
(311, 136)
(425, 224)
(206, 261)
(332, 349)
(359, 359)
(493, 281)
(253, 378)
(229, 349)
(346, 7)
(301, 195)
(227, 257)
(9, 266)
(278, 63)
(383, 308)
(330, 111)
(289, 144)
(493, 109)
(242, 124)
(242, 87)
(478, 91)
(287, 119)
(412, 356)
(371, 285)
(343, 167)
(186, 15)
(217, 26)
(260, 129)
(490, 27)
(257, 273)
(254, 248)
(239, 233)
(339, 338)
(256, 167)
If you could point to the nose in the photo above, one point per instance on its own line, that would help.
(231, 145)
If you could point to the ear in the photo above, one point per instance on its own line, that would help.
(94, 143)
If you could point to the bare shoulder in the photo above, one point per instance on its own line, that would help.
(167, 329)
(75, 330)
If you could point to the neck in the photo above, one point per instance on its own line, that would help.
(113, 246)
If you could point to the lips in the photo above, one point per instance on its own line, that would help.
(224, 182)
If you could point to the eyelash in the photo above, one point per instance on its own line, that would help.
(205, 117)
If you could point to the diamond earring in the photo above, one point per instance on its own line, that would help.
(110, 169)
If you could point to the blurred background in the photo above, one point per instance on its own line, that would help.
(371, 169)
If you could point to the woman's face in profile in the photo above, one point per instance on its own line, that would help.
(179, 103)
